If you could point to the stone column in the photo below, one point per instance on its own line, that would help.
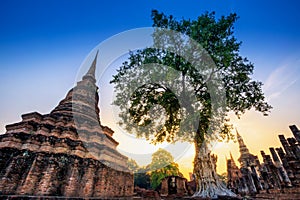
(272, 175)
(71, 188)
(256, 178)
(109, 173)
(105, 176)
(286, 147)
(280, 168)
(274, 172)
(248, 180)
(100, 183)
(243, 189)
(32, 177)
(265, 176)
(8, 182)
(88, 179)
(294, 146)
(48, 183)
(296, 132)
(282, 157)
(285, 163)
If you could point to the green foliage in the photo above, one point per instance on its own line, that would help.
(161, 166)
(161, 158)
(151, 101)
(158, 175)
(132, 165)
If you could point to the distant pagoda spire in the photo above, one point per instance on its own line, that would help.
(246, 157)
(231, 158)
(92, 70)
(232, 162)
(233, 172)
(242, 145)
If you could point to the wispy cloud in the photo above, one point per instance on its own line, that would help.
(281, 79)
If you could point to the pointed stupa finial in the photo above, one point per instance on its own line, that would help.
(92, 70)
(239, 138)
(237, 133)
(232, 159)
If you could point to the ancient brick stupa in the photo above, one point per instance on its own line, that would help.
(65, 153)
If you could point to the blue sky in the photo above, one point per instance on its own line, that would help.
(43, 43)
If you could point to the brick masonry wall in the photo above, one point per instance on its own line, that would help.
(47, 174)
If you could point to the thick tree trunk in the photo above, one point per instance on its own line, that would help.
(208, 182)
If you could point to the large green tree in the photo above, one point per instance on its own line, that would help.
(177, 90)
(161, 166)
(160, 159)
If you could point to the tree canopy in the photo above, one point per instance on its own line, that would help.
(165, 96)
(160, 159)
(161, 166)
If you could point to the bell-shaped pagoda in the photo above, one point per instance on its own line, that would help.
(65, 153)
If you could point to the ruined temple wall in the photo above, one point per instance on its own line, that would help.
(48, 174)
